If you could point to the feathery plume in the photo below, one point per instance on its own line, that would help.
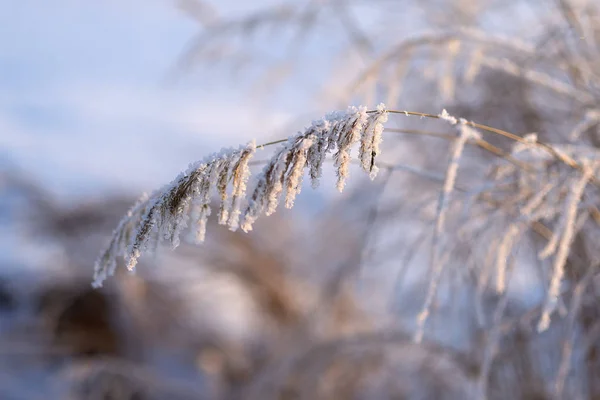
(186, 200)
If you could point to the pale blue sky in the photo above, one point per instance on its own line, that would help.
(84, 103)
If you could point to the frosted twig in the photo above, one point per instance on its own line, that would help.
(465, 133)
(566, 240)
(513, 230)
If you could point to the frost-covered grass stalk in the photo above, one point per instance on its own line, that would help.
(465, 133)
(185, 202)
(551, 192)
(512, 233)
(568, 234)
(540, 192)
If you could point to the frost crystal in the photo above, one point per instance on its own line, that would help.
(447, 117)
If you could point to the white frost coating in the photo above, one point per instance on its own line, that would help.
(106, 264)
(512, 235)
(186, 200)
(371, 141)
(465, 134)
(276, 176)
(307, 149)
(529, 142)
(316, 153)
(347, 137)
(502, 258)
(294, 178)
(222, 181)
(572, 205)
(201, 209)
(241, 174)
(447, 117)
(165, 212)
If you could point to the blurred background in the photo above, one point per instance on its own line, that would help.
(103, 100)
